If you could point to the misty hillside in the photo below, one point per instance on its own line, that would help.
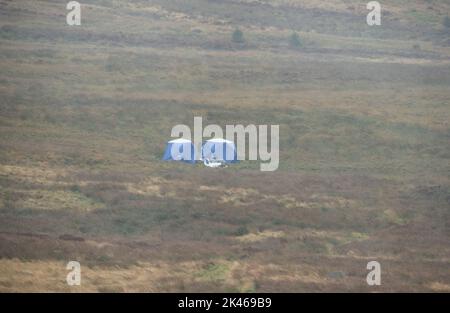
(86, 111)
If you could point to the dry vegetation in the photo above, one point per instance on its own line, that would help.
(363, 114)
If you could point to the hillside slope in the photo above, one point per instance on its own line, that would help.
(85, 113)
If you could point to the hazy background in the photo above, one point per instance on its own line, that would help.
(85, 112)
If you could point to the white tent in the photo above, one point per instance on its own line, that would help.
(219, 149)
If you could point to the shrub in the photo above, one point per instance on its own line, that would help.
(241, 231)
(294, 40)
(446, 22)
(238, 36)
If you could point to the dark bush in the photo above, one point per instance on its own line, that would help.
(294, 40)
(238, 36)
(241, 231)
(446, 22)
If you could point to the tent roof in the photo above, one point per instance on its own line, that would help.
(219, 140)
(180, 140)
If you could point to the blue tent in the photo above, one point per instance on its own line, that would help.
(180, 150)
(219, 149)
